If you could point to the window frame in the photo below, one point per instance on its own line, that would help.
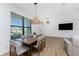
(29, 27)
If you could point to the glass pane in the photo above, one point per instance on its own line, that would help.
(26, 22)
(27, 31)
(16, 32)
(16, 19)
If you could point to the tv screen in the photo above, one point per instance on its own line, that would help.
(66, 26)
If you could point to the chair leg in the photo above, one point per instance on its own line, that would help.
(10, 50)
(28, 52)
(38, 52)
(16, 55)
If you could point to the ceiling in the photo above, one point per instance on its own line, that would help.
(47, 9)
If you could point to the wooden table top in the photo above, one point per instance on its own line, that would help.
(29, 40)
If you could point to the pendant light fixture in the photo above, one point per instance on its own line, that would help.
(35, 20)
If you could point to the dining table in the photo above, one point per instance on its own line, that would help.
(30, 42)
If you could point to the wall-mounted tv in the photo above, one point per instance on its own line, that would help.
(66, 26)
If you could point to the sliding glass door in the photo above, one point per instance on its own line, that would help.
(19, 26)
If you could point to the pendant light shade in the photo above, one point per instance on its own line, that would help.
(35, 20)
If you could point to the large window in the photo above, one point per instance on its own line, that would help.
(27, 27)
(19, 26)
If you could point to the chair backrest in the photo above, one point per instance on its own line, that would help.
(14, 45)
(39, 42)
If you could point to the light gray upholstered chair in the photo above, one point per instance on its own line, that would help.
(39, 46)
(18, 48)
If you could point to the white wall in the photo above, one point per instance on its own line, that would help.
(4, 28)
(5, 25)
(58, 13)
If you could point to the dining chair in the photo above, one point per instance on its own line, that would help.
(38, 46)
(18, 48)
(43, 41)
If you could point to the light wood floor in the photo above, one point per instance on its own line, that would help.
(54, 47)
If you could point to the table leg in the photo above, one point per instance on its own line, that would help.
(30, 51)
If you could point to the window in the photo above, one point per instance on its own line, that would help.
(27, 27)
(16, 32)
(19, 26)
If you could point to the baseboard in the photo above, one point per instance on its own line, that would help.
(59, 36)
(55, 36)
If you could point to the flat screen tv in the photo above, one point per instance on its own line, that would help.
(66, 26)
